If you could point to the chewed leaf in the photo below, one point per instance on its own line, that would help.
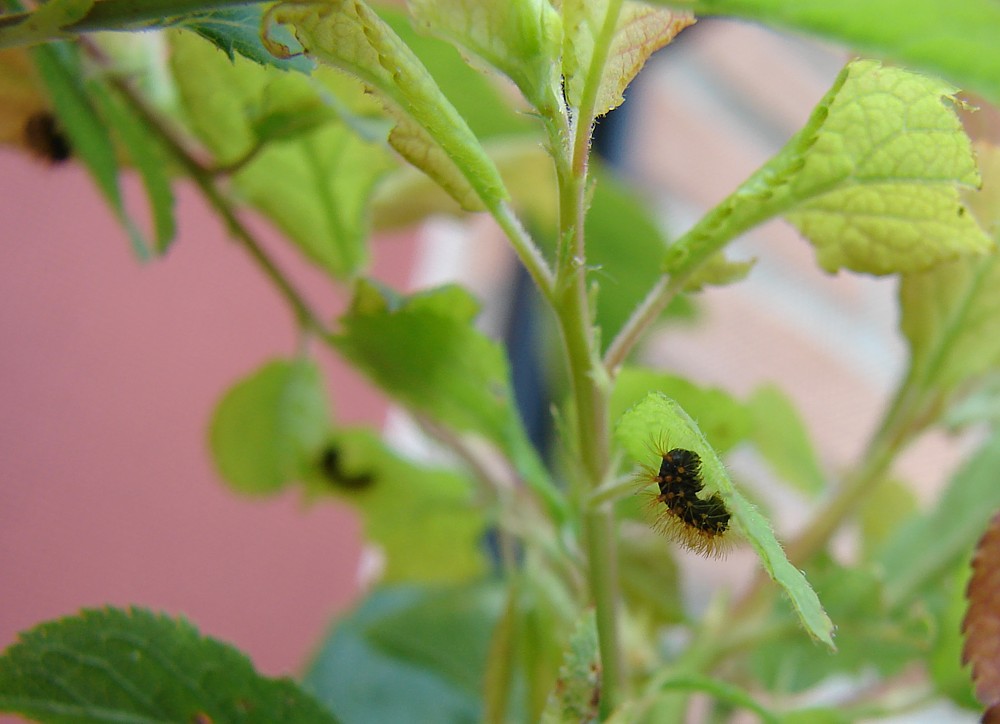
(873, 180)
(433, 136)
(640, 30)
(982, 638)
(520, 39)
(113, 665)
(658, 418)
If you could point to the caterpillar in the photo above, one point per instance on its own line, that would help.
(697, 523)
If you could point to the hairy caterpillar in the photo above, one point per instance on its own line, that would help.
(697, 523)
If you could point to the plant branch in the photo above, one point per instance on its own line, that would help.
(23, 29)
(203, 178)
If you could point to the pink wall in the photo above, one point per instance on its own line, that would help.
(108, 373)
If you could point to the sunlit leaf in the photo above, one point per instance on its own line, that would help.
(236, 30)
(658, 417)
(429, 133)
(639, 31)
(872, 180)
(520, 39)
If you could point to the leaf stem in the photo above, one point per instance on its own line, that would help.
(203, 178)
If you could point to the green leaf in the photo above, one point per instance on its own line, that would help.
(425, 352)
(447, 631)
(780, 434)
(887, 506)
(951, 675)
(721, 691)
(929, 545)
(269, 428)
(872, 180)
(236, 30)
(650, 580)
(301, 155)
(429, 132)
(723, 420)
(624, 246)
(110, 665)
(578, 688)
(408, 196)
(867, 636)
(61, 73)
(364, 682)
(520, 39)
(658, 417)
(949, 313)
(639, 31)
(46, 22)
(423, 519)
(953, 39)
(149, 158)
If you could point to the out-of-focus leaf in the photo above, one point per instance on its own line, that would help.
(951, 676)
(780, 434)
(447, 631)
(950, 313)
(982, 635)
(425, 351)
(951, 38)
(650, 580)
(47, 21)
(430, 133)
(407, 196)
(423, 519)
(929, 545)
(236, 30)
(889, 505)
(658, 417)
(872, 180)
(269, 428)
(150, 160)
(22, 97)
(867, 636)
(520, 39)
(639, 31)
(113, 665)
(366, 683)
(316, 162)
(61, 72)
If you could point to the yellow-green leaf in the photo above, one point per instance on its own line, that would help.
(639, 31)
(657, 417)
(423, 519)
(431, 134)
(872, 180)
(520, 39)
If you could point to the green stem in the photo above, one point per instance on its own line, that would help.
(21, 28)
(599, 535)
(203, 178)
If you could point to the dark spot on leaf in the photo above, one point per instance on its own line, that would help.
(330, 466)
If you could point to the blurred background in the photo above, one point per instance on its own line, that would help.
(109, 369)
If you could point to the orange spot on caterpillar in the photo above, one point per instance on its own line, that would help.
(696, 523)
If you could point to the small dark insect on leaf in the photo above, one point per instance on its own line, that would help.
(45, 139)
(696, 523)
(981, 625)
(332, 470)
